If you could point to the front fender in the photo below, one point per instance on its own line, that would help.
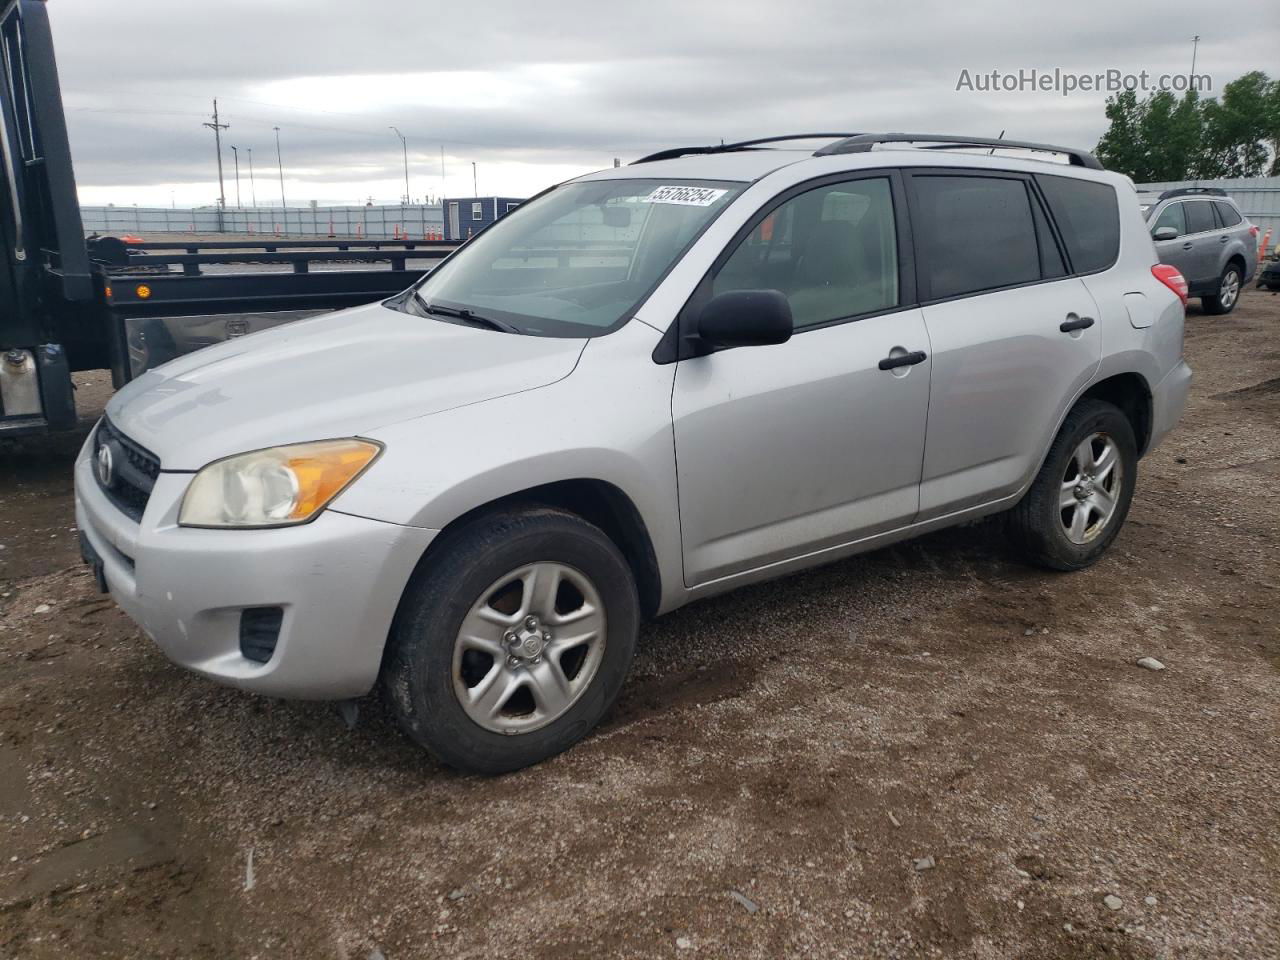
(609, 421)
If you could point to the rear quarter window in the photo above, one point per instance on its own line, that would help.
(1227, 212)
(1088, 215)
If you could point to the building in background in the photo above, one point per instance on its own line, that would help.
(466, 216)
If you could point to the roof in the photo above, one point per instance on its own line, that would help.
(740, 165)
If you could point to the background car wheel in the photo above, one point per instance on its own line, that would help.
(512, 639)
(1228, 295)
(1079, 500)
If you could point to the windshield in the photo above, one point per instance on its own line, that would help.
(578, 260)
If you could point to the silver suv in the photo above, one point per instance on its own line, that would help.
(1201, 232)
(645, 386)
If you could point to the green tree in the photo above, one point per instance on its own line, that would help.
(1121, 147)
(1273, 126)
(1162, 138)
(1235, 137)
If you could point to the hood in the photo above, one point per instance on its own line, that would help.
(336, 375)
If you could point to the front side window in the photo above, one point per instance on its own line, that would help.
(1088, 215)
(1200, 216)
(578, 260)
(832, 251)
(975, 233)
(1171, 216)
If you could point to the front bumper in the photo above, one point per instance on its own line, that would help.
(338, 579)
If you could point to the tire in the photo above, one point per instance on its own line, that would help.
(1229, 286)
(1038, 525)
(490, 567)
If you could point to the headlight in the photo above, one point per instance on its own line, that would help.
(275, 487)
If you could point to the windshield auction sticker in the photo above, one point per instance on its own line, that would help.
(688, 196)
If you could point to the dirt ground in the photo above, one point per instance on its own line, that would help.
(783, 762)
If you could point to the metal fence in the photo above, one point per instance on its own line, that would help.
(415, 221)
(1257, 197)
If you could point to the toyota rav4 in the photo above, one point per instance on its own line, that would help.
(643, 387)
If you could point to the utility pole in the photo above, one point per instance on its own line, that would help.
(443, 185)
(280, 167)
(253, 191)
(475, 184)
(235, 154)
(1195, 43)
(217, 129)
(404, 145)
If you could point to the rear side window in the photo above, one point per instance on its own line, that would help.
(1088, 216)
(1199, 216)
(976, 233)
(1228, 213)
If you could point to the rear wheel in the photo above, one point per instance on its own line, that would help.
(1228, 295)
(513, 640)
(1079, 500)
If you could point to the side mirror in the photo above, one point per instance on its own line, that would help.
(1165, 233)
(745, 318)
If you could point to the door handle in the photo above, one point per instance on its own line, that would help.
(1188, 245)
(1075, 323)
(1223, 239)
(903, 360)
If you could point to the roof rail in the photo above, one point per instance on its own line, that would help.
(1192, 191)
(864, 142)
(674, 152)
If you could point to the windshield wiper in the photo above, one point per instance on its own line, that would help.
(467, 316)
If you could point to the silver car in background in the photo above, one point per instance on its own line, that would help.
(1201, 232)
(645, 386)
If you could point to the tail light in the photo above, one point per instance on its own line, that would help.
(1253, 230)
(1172, 279)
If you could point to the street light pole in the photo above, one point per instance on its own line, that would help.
(404, 145)
(253, 191)
(235, 154)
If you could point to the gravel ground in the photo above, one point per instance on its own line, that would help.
(928, 751)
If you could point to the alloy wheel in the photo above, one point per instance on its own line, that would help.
(1229, 290)
(1091, 488)
(529, 648)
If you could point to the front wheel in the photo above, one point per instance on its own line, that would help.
(1081, 496)
(1228, 295)
(513, 640)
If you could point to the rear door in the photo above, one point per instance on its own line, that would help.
(1201, 247)
(1014, 337)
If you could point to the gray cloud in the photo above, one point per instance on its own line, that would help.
(566, 85)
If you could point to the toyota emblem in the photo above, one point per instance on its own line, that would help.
(106, 467)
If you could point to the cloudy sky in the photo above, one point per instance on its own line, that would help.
(535, 92)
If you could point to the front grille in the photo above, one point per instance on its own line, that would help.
(126, 473)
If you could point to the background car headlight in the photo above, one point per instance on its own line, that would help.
(274, 487)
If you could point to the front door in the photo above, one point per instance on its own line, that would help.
(788, 450)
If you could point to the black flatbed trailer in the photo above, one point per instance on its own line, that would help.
(68, 304)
